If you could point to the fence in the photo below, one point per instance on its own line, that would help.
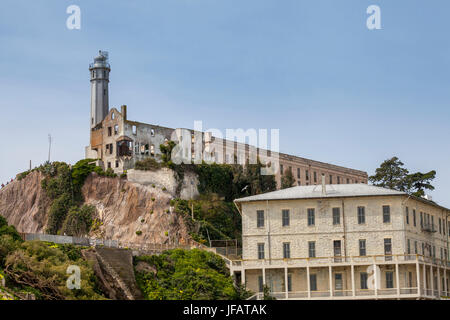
(69, 240)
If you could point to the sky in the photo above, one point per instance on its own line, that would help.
(338, 92)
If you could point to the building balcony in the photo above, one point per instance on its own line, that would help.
(337, 261)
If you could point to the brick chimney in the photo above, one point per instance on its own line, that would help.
(124, 112)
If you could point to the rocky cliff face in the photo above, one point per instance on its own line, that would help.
(131, 212)
(126, 211)
(24, 204)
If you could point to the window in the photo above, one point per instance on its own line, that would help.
(307, 174)
(361, 215)
(414, 217)
(298, 173)
(109, 165)
(281, 169)
(409, 246)
(117, 163)
(386, 214)
(440, 226)
(315, 176)
(286, 250)
(311, 217)
(312, 249)
(415, 247)
(134, 130)
(260, 250)
(152, 132)
(389, 279)
(116, 129)
(336, 216)
(363, 278)
(388, 248)
(260, 218)
(331, 179)
(289, 284)
(152, 150)
(313, 282)
(421, 219)
(338, 281)
(136, 147)
(109, 131)
(362, 247)
(407, 215)
(260, 284)
(285, 217)
(113, 115)
(337, 248)
(339, 180)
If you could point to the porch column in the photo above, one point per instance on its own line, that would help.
(418, 277)
(432, 280)
(445, 282)
(264, 276)
(353, 279)
(375, 278)
(307, 282)
(425, 280)
(243, 276)
(438, 281)
(330, 272)
(397, 278)
(286, 289)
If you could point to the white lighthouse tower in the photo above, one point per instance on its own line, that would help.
(99, 70)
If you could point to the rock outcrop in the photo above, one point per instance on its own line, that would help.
(126, 211)
(24, 203)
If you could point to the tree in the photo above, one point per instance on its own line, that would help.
(392, 175)
(287, 179)
(419, 182)
(166, 152)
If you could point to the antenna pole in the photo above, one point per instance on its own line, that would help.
(49, 146)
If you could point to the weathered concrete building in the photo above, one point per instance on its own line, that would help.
(118, 142)
(348, 241)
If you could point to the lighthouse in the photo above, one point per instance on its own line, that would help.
(99, 70)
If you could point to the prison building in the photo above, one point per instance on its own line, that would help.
(347, 241)
(119, 142)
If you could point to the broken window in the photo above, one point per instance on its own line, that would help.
(116, 129)
(146, 149)
(110, 148)
(109, 131)
(117, 163)
(152, 150)
(152, 132)
(109, 165)
(113, 116)
(134, 130)
(124, 148)
(136, 147)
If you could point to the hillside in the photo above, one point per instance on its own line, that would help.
(123, 209)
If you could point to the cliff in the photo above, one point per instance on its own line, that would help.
(125, 211)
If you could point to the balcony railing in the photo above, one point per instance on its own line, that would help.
(341, 260)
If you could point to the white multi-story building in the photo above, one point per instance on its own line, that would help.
(348, 241)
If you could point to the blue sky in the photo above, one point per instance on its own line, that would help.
(337, 91)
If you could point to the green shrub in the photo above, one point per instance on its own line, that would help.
(186, 275)
(78, 221)
(147, 164)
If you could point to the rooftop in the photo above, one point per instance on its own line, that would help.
(315, 191)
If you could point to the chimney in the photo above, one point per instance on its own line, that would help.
(124, 112)
(324, 188)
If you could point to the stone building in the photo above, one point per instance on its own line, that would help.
(119, 142)
(348, 241)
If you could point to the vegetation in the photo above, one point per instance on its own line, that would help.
(287, 179)
(391, 174)
(40, 268)
(186, 275)
(214, 219)
(147, 164)
(63, 184)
